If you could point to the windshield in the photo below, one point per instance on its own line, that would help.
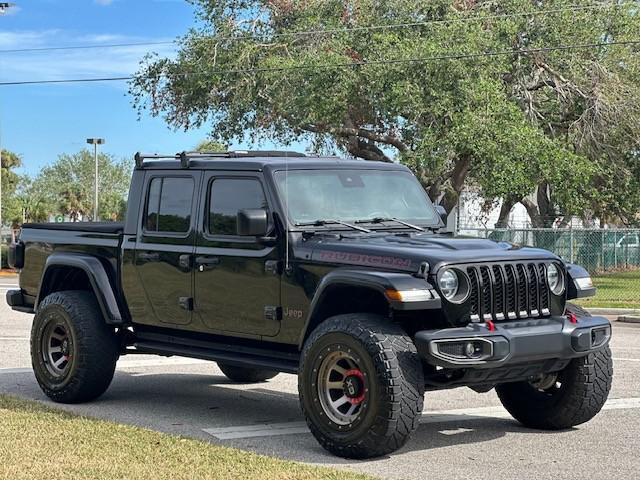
(352, 195)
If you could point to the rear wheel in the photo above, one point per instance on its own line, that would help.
(246, 375)
(361, 385)
(73, 351)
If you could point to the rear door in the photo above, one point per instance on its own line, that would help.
(165, 245)
(237, 283)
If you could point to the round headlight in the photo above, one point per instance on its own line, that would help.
(448, 284)
(555, 279)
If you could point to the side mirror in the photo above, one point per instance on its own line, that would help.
(443, 214)
(252, 222)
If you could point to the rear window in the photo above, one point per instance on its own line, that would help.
(169, 205)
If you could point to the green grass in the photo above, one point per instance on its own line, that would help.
(618, 290)
(37, 442)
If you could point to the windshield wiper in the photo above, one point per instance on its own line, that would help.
(390, 219)
(328, 221)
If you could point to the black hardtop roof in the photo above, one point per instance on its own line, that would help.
(253, 161)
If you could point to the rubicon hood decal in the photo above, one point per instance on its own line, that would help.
(407, 252)
(364, 259)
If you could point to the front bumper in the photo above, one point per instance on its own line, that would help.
(513, 343)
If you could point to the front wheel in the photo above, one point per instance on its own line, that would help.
(361, 385)
(564, 399)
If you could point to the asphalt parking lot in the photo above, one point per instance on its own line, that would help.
(462, 435)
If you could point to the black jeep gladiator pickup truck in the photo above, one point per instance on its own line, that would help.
(335, 270)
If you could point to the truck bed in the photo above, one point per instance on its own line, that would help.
(89, 227)
(101, 240)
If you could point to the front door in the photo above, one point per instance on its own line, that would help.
(236, 290)
(165, 247)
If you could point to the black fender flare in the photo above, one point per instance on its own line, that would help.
(574, 290)
(98, 278)
(374, 280)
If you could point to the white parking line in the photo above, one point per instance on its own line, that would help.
(10, 371)
(250, 431)
(126, 364)
(437, 416)
(456, 431)
(626, 359)
(160, 362)
(13, 339)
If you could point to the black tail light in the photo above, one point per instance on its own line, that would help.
(16, 255)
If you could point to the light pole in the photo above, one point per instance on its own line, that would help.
(95, 142)
(4, 6)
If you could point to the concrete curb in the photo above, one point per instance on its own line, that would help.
(613, 311)
(629, 319)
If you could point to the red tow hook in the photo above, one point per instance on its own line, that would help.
(491, 326)
(572, 317)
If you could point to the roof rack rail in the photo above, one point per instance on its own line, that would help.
(186, 157)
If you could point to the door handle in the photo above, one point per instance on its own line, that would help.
(149, 257)
(207, 263)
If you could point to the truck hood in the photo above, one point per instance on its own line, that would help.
(405, 252)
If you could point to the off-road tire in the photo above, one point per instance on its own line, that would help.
(585, 385)
(94, 348)
(246, 375)
(394, 385)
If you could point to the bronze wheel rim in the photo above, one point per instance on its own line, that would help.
(57, 348)
(342, 388)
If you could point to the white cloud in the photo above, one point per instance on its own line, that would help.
(104, 2)
(25, 38)
(102, 38)
(80, 63)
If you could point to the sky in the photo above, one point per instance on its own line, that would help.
(39, 122)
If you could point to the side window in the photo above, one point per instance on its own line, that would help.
(169, 205)
(229, 195)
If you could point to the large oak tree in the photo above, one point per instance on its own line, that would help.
(553, 128)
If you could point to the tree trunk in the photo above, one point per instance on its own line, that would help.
(507, 205)
(546, 211)
(458, 178)
(532, 210)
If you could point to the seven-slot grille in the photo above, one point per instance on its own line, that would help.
(506, 291)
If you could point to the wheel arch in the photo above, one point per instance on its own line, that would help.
(360, 291)
(66, 271)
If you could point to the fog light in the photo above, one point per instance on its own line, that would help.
(470, 350)
(599, 336)
(463, 350)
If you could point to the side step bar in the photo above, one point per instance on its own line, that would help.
(241, 356)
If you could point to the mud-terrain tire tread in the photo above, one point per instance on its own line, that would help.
(399, 371)
(589, 381)
(246, 374)
(96, 342)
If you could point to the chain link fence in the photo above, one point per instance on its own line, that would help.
(612, 256)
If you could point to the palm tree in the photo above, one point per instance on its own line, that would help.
(74, 203)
